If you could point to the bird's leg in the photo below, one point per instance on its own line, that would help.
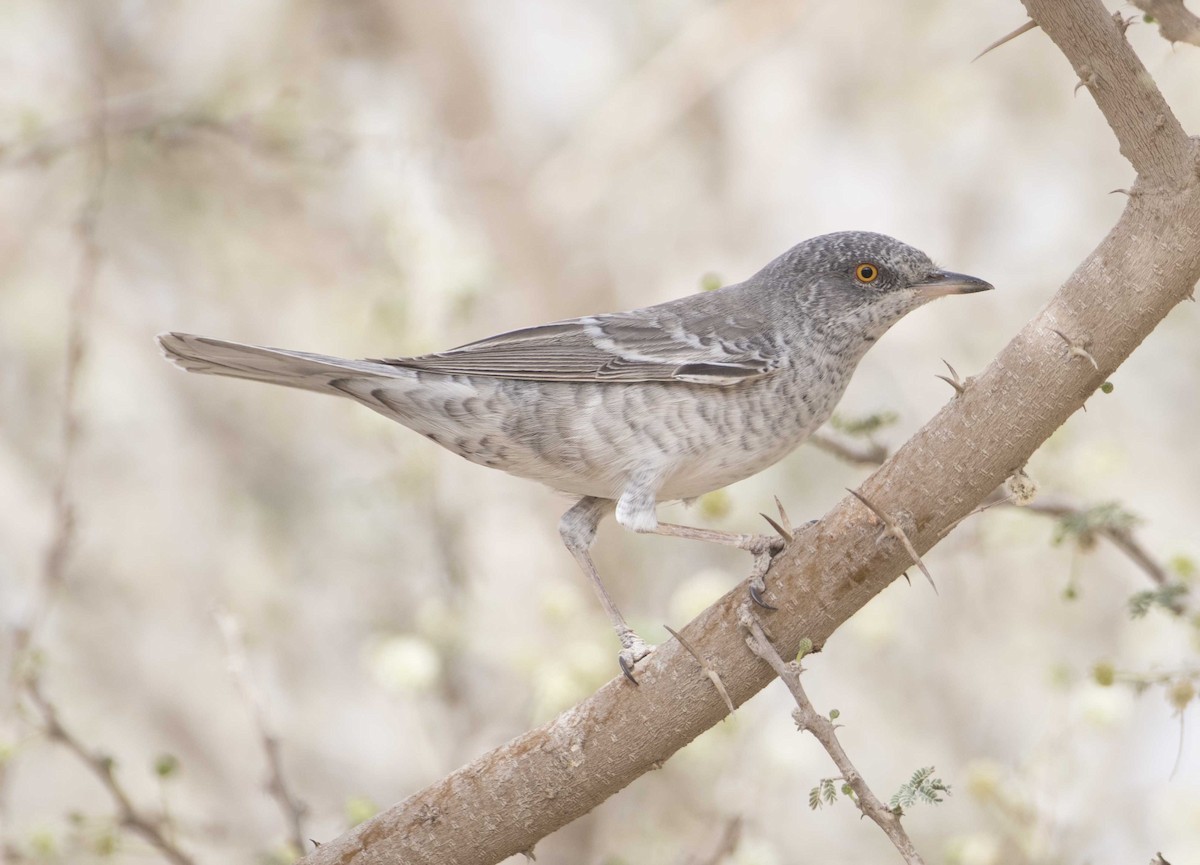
(755, 544)
(578, 529)
(762, 547)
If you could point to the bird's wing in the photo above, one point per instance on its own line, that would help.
(655, 344)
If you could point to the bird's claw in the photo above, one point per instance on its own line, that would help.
(757, 587)
(635, 649)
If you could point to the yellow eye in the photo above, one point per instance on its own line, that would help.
(866, 273)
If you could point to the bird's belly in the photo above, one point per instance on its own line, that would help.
(593, 439)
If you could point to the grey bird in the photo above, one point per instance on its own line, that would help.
(628, 409)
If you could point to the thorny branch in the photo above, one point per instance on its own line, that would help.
(79, 316)
(235, 654)
(825, 731)
(101, 765)
(1122, 538)
(1175, 22)
(836, 566)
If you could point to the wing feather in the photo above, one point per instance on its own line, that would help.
(692, 340)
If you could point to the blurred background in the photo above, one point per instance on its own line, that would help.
(384, 177)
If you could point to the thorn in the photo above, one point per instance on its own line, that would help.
(1078, 348)
(1086, 79)
(316, 844)
(1024, 28)
(783, 516)
(780, 530)
(528, 854)
(756, 596)
(708, 671)
(1124, 23)
(1122, 191)
(894, 529)
(960, 386)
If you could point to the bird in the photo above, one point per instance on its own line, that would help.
(626, 410)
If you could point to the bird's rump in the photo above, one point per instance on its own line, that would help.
(654, 344)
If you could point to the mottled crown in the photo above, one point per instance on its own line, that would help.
(841, 251)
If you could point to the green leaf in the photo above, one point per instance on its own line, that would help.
(1085, 525)
(921, 787)
(1168, 597)
(166, 765)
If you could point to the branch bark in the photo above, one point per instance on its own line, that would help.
(1175, 22)
(508, 799)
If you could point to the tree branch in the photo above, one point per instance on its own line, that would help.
(128, 816)
(1148, 132)
(238, 663)
(825, 731)
(1175, 22)
(506, 800)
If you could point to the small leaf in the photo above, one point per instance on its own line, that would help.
(166, 765)
(1167, 597)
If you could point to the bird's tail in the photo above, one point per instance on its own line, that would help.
(300, 369)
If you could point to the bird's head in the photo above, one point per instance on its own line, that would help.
(863, 280)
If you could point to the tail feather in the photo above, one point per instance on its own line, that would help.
(299, 369)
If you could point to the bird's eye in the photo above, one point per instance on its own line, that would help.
(866, 273)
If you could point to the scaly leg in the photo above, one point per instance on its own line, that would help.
(578, 529)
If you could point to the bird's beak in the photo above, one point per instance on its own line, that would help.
(943, 282)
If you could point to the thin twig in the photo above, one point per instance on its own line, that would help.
(825, 731)
(1123, 539)
(54, 563)
(236, 660)
(871, 454)
(722, 847)
(150, 828)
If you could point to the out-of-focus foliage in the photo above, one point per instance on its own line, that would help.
(376, 178)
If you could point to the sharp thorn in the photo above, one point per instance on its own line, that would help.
(780, 530)
(783, 515)
(958, 388)
(883, 518)
(691, 651)
(1024, 28)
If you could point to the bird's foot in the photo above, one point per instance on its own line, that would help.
(634, 649)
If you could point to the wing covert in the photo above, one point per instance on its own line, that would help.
(703, 346)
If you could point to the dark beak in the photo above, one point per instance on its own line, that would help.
(943, 282)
